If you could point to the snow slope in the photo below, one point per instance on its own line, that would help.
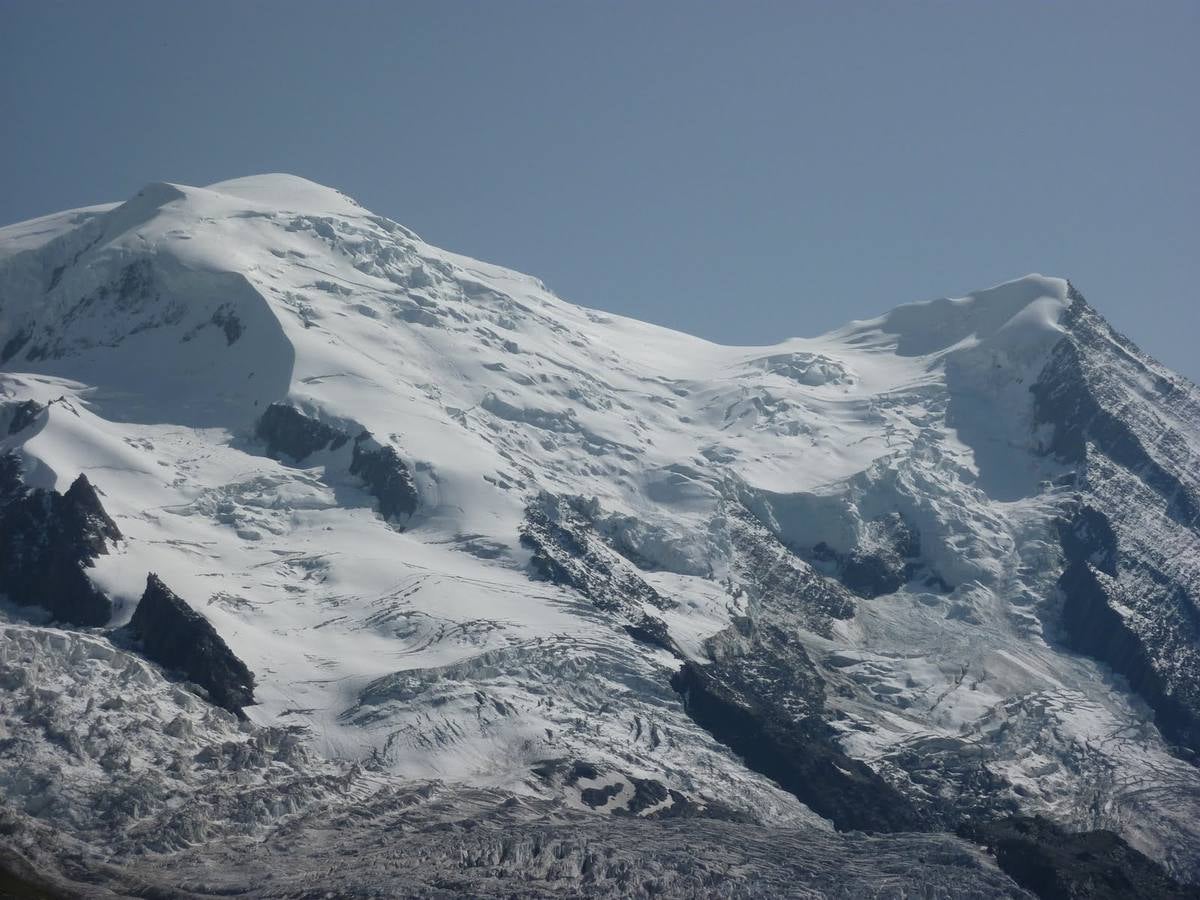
(157, 333)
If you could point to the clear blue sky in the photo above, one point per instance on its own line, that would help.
(745, 171)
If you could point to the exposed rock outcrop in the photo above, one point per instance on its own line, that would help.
(1059, 865)
(1130, 588)
(763, 697)
(292, 436)
(883, 562)
(385, 476)
(766, 703)
(1097, 621)
(1087, 537)
(609, 790)
(1086, 404)
(47, 540)
(776, 578)
(287, 432)
(23, 414)
(567, 550)
(178, 638)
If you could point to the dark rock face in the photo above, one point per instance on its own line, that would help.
(227, 320)
(652, 631)
(767, 705)
(288, 432)
(1088, 537)
(1130, 589)
(600, 796)
(1091, 865)
(1093, 626)
(12, 486)
(291, 435)
(1085, 403)
(882, 564)
(775, 577)
(568, 551)
(21, 881)
(647, 793)
(47, 539)
(385, 476)
(23, 415)
(178, 638)
(580, 769)
(649, 798)
(87, 517)
(1092, 593)
(950, 780)
(15, 344)
(866, 574)
(761, 695)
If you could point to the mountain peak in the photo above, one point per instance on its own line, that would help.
(448, 524)
(290, 193)
(1026, 310)
(141, 207)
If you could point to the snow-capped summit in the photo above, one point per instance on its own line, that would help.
(1021, 311)
(289, 193)
(927, 572)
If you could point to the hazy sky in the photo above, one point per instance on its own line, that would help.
(744, 171)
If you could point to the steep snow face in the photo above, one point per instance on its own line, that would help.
(878, 500)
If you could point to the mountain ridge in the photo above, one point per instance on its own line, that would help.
(458, 528)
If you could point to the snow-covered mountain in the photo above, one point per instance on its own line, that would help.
(318, 537)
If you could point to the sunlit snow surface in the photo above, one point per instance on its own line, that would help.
(492, 388)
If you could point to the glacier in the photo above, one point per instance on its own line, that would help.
(573, 591)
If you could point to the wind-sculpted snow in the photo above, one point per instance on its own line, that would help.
(923, 572)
